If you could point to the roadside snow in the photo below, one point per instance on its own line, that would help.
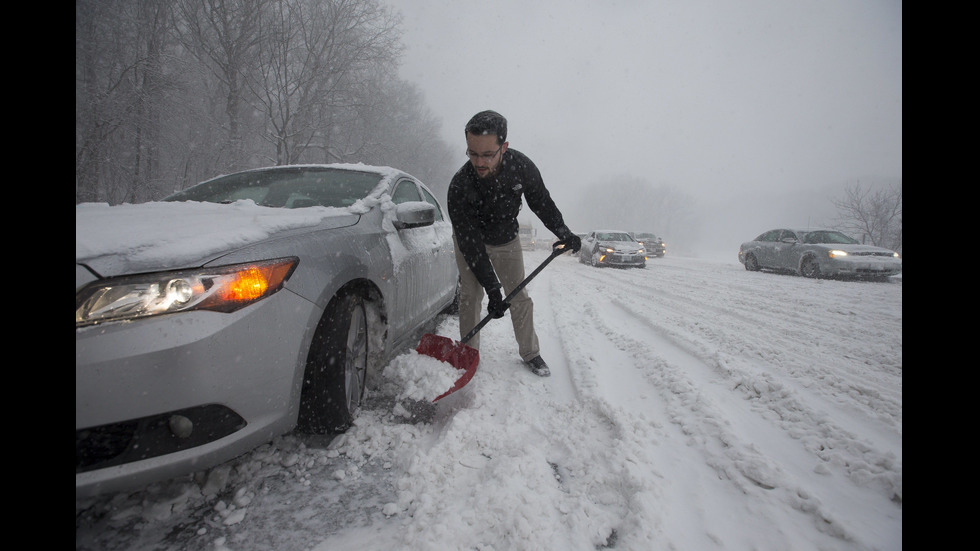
(692, 405)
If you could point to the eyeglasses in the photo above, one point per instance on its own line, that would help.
(473, 155)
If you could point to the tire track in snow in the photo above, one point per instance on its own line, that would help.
(593, 493)
(550, 339)
(763, 338)
(700, 395)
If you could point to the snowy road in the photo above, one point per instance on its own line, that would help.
(693, 405)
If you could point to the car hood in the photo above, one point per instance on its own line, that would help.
(621, 246)
(123, 239)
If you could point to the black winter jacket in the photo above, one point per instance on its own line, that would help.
(484, 211)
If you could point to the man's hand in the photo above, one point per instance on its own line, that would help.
(497, 306)
(572, 243)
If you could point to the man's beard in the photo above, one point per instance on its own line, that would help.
(491, 172)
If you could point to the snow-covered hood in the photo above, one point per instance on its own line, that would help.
(621, 247)
(114, 240)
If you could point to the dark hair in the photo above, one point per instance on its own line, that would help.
(488, 122)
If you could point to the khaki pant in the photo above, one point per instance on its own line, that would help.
(508, 263)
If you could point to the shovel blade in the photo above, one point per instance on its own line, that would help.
(462, 357)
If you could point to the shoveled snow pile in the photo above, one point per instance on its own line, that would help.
(419, 377)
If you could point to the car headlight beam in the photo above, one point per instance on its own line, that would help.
(837, 253)
(219, 289)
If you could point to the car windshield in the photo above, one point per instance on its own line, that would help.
(285, 187)
(829, 237)
(642, 236)
(610, 236)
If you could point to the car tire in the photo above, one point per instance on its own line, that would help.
(336, 368)
(751, 264)
(809, 267)
(594, 258)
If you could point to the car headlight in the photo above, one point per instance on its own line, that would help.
(219, 289)
(836, 253)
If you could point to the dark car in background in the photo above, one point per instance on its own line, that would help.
(653, 244)
(313, 277)
(612, 248)
(818, 253)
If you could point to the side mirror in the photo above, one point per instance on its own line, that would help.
(414, 214)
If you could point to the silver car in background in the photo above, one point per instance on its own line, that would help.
(654, 245)
(818, 253)
(184, 361)
(612, 248)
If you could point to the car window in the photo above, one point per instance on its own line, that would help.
(829, 237)
(405, 191)
(772, 235)
(432, 201)
(289, 188)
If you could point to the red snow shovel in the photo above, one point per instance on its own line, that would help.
(457, 353)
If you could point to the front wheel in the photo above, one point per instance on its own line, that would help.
(336, 368)
(751, 264)
(809, 267)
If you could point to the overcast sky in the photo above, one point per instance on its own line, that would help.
(714, 97)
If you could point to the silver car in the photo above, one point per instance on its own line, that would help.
(612, 248)
(187, 359)
(818, 253)
(654, 245)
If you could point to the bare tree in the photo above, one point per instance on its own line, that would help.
(224, 35)
(361, 54)
(170, 92)
(315, 57)
(104, 70)
(398, 129)
(120, 96)
(872, 213)
(152, 19)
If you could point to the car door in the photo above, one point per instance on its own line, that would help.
(442, 265)
(787, 251)
(588, 243)
(424, 266)
(766, 247)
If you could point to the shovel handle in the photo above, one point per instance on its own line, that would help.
(556, 251)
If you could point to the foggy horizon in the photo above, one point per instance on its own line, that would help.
(731, 104)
